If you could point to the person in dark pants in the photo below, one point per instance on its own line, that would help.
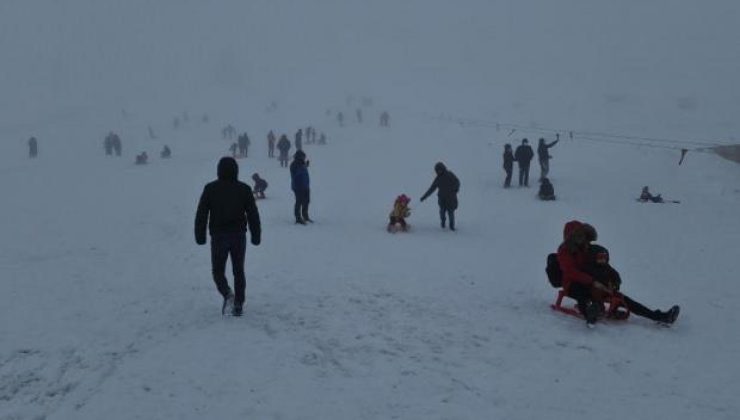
(523, 156)
(508, 164)
(244, 143)
(33, 147)
(589, 279)
(283, 146)
(543, 155)
(270, 144)
(301, 185)
(227, 207)
(448, 186)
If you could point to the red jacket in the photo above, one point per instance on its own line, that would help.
(571, 265)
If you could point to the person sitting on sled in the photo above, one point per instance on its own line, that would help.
(260, 185)
(645, 196)
(547, 191)
(590, 280)
(399, 213)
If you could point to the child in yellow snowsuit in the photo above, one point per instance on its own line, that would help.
(399, 214)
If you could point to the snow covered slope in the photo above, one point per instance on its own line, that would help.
(107, 308)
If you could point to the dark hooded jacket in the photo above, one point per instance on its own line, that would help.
(523, 154)
(299, 179)
(447, 184)
(227, 205)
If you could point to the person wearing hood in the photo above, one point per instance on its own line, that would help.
(523, 155)
(448, 186)
(587, 283)
(301, 186)
(228, 208)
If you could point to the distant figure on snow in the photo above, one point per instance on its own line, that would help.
(227, 207)
(358, 114)
(322, 139)
(166, 153)
(152, 135)
(385, 119)
(234, 149)
(508, 164)
(544, 157)
(645, 196)
(523, 156)
(228, 132)
(260, 185)
(399, 214)
(115, 143)
(448, 185)
(244, 143)
(33, 147)
(299, 139)
(547, 191)
(142, 159)
(340, 119)
(108, 144)
(283, 146)
(271, 144)
(301, 186)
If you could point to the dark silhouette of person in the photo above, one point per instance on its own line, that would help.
(227, 207)
(523, 156)
(260, 185)
(166, 153)
(299, 139)
(547, 191)
(448, 185)
(508, 164)
(244, 143)
(283, 146)
(271, 144)
(543, 155)
(301, 186)
(33, 147)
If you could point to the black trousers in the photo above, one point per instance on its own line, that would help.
(449, 213)
(300, 209)
(582, 294)
(507, 181)
(222, 246)
(524, 174)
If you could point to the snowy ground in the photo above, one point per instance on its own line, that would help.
(108, 310)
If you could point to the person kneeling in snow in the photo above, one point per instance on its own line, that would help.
(260, 185)
(547, 191)
(589, 279)
(399, 214)
(142, 158)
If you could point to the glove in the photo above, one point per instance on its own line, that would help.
(255, 239)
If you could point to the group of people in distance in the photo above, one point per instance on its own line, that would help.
(523, 156)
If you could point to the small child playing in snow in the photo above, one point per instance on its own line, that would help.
(260, 185)
(399, 213)
(645, 196)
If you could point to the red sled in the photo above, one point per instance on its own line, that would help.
(613, 306)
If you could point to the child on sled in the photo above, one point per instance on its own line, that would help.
(399, 214)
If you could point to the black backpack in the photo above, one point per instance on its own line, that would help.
(554, 275)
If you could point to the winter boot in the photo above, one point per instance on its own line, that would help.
(228, 303)
(591, 313)
(236, 310)
(670, 316)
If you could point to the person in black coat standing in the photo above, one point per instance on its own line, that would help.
(543, 155)
(448, 185)
(283, 146)
(301, 186)
(227, 207)
(523, 156)
(508, 164)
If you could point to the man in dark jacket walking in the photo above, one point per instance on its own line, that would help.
(244, 143)
(523, 156)
(448, 185)
(301, 186)
(543, 154)
(227, 206)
